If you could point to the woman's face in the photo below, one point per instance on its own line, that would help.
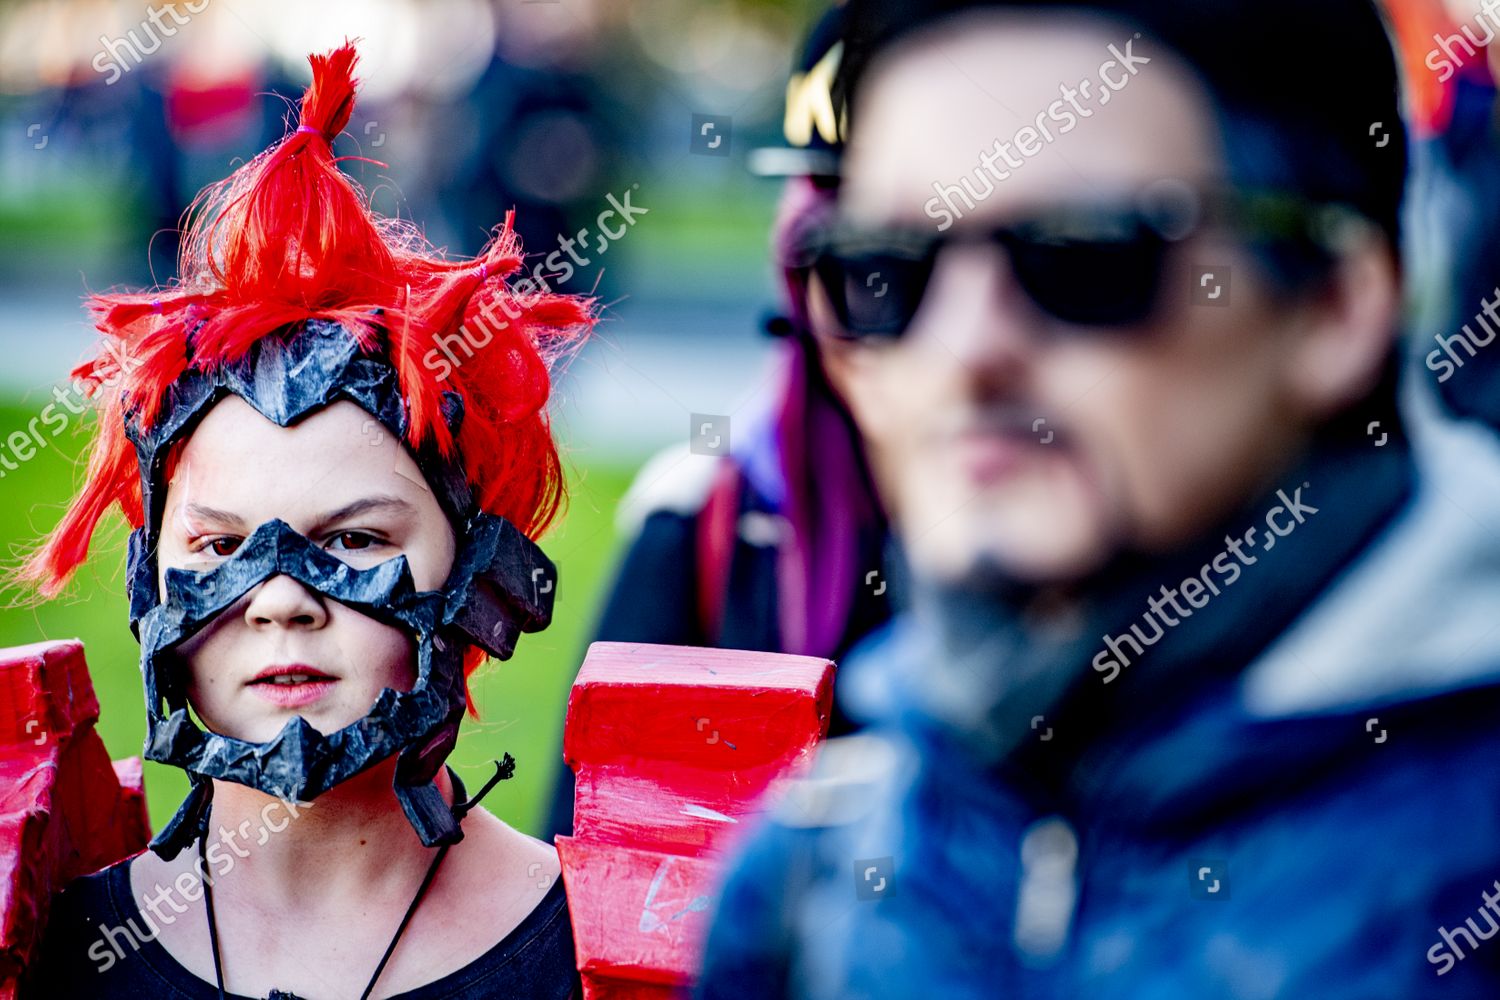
(341, 480)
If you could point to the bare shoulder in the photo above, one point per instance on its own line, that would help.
(146, 867)
(149, 874)
(489, 883)
(498, 871)
(168, 889)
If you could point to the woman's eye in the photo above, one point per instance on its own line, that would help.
(353, 541)
(224, 546)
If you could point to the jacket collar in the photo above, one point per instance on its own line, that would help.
(1419, 613)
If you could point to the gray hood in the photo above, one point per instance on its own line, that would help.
(1419, 612)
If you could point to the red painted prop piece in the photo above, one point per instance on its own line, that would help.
(673, 747)
(65, 809)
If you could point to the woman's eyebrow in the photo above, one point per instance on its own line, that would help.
(365, 505)
(195, 512)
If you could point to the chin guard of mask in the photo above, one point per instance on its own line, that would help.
(501, 585)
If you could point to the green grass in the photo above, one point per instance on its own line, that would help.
(521, 702)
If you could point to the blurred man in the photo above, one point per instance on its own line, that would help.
(1197, 695)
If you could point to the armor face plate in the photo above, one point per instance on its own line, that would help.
(501, 585)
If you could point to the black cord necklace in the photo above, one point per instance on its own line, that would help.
(461, 808)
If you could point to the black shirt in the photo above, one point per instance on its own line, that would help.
(90, 951)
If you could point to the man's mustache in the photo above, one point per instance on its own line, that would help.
(1019, 419)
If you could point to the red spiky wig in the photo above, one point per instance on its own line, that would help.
(287, 238)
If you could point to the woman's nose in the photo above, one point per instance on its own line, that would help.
(284, 602)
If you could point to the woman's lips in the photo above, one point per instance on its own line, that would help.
(294, 695)
(292, 687)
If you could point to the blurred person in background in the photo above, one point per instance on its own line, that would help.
(534, 134)
(1198, 690)
(1450, 61)
(780, 546)
(197, 112)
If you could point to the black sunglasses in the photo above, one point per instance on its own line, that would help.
(1092, 264)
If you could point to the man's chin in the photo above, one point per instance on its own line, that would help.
(1046, 524)
(984, 559)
